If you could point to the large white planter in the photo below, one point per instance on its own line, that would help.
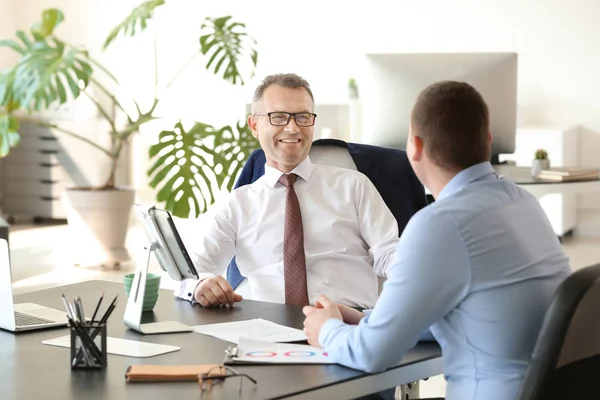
(98, 221)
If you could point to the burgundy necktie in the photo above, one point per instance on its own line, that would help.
(294, 261)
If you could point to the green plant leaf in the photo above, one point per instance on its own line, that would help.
(9, 133)
(13, 45)
(51, 18)
(41, 74)
(7, 80)
(29, 45)
(138, 19)
(22, 48)
(226, 42)
(190, 166)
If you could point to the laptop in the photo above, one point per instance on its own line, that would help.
(24, 316)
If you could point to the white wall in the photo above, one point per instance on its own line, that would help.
(323, 41)
(6, 31)
(6, 18)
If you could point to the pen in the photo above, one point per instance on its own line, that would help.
(67, 307)
(81, 309)
(104, 318)
(97, 307)
(109, 310)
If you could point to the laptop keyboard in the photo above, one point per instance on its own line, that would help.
(22, 319)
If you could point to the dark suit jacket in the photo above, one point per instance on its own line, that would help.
(388, 169)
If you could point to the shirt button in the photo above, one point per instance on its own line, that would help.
(189, 294)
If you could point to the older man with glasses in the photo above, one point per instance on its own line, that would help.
(301, 229)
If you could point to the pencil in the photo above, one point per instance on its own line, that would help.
(97, 307)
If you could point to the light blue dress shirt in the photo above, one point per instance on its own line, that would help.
(479, 267)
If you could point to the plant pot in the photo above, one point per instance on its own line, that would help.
(537, 166)
(98, 221)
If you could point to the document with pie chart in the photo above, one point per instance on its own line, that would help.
(251, 351)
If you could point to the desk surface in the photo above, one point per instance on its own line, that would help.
(31, 370)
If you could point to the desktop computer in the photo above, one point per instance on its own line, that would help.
(390, 84)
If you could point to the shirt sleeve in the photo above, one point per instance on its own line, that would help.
(430, 276)
(211, 245)
(378, 227)
(187, 287)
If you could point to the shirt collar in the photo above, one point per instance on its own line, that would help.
(303, 170)
(466, 176)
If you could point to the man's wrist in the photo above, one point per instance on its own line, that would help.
(193, 294)
(327, 327)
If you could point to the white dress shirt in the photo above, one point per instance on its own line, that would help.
(350, 236)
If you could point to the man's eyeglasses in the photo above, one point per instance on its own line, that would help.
(280, 118)
(219, 374)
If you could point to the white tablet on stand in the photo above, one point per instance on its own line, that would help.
(166, 244)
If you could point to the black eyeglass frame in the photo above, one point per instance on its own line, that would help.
(289, 117)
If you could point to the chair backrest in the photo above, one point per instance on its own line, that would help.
(337, 157)
(333, 156)
(566, 358)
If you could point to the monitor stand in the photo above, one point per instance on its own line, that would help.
(496, 161)
(133, 312)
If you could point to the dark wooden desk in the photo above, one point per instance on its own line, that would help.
(31, 370)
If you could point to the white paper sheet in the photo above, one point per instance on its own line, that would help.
(258, 328)
(256, 351)
(122, 347)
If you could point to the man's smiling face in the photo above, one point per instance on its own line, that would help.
(285, 146)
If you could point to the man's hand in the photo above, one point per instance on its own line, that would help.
(215, 291)
(350, 315)
(316, 316)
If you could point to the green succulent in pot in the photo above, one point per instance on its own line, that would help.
(541, 154)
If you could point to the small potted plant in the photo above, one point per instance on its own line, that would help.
(540, 162)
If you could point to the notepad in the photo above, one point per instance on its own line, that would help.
(121, 347)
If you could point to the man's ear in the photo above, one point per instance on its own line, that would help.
(417, 144)
(252, 125)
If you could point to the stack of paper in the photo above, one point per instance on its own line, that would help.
(565, 174)
(258, 328)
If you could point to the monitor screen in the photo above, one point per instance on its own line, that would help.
(390, 83)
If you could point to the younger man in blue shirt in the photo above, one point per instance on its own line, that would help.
(478, 267)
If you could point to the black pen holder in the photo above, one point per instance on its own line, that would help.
(88, 346)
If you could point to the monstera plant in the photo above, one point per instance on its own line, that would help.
(51, 72)
(189, 159)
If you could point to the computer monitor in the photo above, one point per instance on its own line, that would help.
(390, 83)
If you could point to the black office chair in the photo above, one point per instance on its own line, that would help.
(566, 359)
